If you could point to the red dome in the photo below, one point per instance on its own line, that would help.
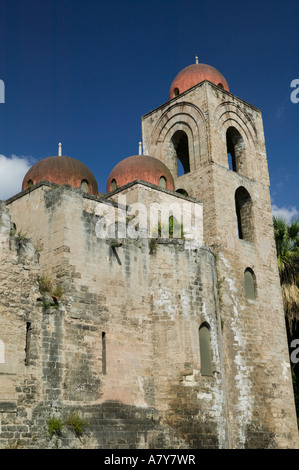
(140, 167)
(194, 74)
(62, 170)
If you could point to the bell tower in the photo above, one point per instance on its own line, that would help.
(213, 144)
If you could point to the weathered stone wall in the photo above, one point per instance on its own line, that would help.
(187, 211)
(122, 346)
(260, 399)
(19, 324)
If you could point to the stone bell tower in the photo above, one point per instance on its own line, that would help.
(213, 144)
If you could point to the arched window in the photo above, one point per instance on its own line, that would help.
(162, 182)
(113, 184)
(182, 191)
(220, 85)
(104, 368)
(235, 149)
(205, 350)
(176, 92)
(180, 144)
(29, 183)
(2, 352)
(250, 284)
(244, 214)
(84, 186)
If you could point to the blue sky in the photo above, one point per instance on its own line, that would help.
(84, 72)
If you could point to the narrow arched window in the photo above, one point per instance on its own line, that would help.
(29, 183)
(104, 368)
(180, 143)
(220, 85)
(205, 350)
(84, 186)
(113, 184)
(250, 284)
(244, 213)
(2, 352)
(235, 149)
(162, 182)
(27, 343)
(176, 92)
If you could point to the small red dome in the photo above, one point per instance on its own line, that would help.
(62, 170)
(140, 167)
(194, 74)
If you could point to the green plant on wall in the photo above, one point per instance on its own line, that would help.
(55, 426)
(47, 286)
(173, 229)
(74, 422)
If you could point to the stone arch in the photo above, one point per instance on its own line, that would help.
(188, 118)
(228, 115)
(244, 214)
(235, 149)
(179, 147)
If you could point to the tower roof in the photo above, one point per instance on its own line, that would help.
(61, 170)
(194, 74)
(142, 167)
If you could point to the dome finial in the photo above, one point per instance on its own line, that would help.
(59, 149)
(140, 148)
(196, 59)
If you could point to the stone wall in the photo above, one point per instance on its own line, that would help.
(121, 347)
(260, 400)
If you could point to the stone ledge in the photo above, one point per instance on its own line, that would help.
(8, 407)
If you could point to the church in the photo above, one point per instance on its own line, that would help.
(149, 317)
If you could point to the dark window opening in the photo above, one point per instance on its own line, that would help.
(205, 350)
(29, 183)
(235, 149)
(182, 191)
(180, 143)
(27, 343)
(250, 284)
(176, 92)
(244, 214)
(104, 369)
(220, 85)
(113, 184)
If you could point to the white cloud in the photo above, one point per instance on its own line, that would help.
(12, 171)
(288, 213)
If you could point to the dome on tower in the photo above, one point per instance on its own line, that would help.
(62, 170)
(194, 74)
(141, 167)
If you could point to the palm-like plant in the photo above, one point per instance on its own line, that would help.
(287, 247)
